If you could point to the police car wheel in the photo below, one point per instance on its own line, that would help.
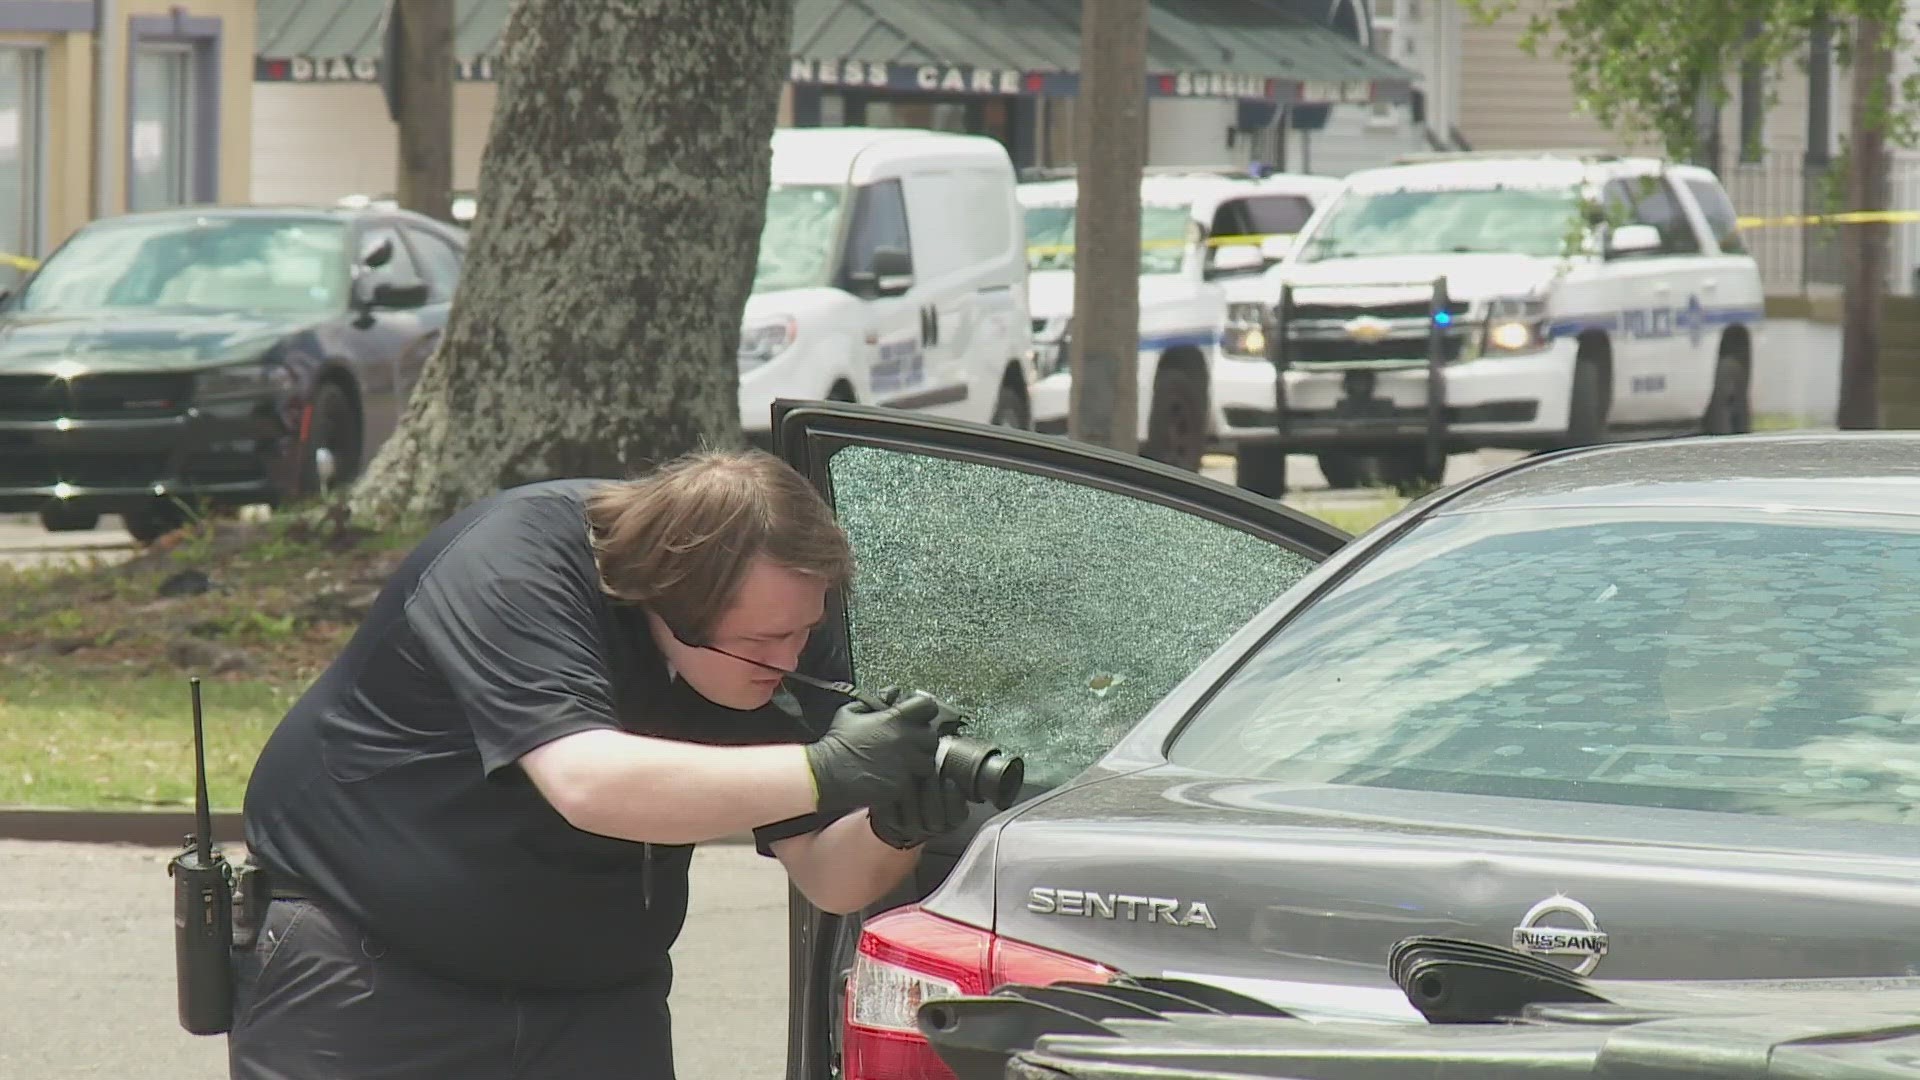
(150, 523)
(1261, 468)
(332, 457)
(68, 519)
(1346, 469)
(1177, 426)
(1010, 408)
(1731, 410)
(1587, 415)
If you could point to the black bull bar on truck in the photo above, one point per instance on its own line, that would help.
(1440, 319)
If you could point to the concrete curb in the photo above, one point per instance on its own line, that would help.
(146, 828)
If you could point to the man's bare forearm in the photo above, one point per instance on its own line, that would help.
(663, 791)
(844, 867)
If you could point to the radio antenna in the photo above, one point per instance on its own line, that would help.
(202, 816)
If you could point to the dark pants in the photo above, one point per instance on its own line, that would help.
(316, 998)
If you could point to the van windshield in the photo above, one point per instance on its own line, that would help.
(797, 241)
(1163, 237)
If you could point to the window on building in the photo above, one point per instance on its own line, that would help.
(22, 92)
(162, 162)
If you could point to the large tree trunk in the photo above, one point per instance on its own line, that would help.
(621, 199)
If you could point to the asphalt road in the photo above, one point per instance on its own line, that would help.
(87, 984)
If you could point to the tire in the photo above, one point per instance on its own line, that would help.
(1730, 409)
(1261, 467)
(1587, 412)
(336, 434)
(1346, 469)
(1010, 408)
(1407, 471)
(1177, 424)
(60, 519)
(150, 523)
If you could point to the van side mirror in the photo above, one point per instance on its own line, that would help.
(1633, 240)
(891, 275)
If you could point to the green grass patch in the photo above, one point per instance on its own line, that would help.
(1357, 520)
(98, 742)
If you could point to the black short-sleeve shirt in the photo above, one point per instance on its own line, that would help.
(390, 788)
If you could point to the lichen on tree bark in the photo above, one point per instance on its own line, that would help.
(622, 191)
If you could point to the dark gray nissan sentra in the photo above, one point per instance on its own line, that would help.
(1650, 710)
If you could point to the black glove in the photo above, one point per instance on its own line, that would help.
(935, 808)
(869, 757)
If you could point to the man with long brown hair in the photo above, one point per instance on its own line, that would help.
(477, 823)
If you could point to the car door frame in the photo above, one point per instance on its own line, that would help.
(382, 402)
(806, 434)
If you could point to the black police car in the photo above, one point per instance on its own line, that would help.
(213, 356)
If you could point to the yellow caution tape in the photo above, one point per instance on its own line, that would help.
(1250, 240)
(1850, 217)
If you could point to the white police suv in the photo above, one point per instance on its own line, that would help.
(1587, 298)
(1205, 239)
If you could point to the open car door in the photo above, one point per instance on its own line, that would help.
(1052, 590)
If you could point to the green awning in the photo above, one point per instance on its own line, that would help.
(1247, 49)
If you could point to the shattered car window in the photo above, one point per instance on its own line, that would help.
(1736, 661)
(1055, 614)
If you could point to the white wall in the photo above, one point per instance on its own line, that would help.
(316, 142)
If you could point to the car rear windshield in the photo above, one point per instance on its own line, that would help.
(1745, 662)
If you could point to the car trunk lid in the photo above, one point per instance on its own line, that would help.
(1308, 887)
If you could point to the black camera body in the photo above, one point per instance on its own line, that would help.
(202, 911)
(983, 772)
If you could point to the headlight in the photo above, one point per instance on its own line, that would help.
(252, 379)
(762, 341)
(1246, 332)
(1516, 326)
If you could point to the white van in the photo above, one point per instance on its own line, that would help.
(892, 272)
(1202, 356)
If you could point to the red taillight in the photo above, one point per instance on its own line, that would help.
(909, 956)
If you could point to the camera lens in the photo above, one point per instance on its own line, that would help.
(982, 770)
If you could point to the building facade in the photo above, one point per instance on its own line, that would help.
(1290, 84)
(162, 120)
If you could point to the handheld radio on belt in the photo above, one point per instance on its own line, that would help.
(202, 910)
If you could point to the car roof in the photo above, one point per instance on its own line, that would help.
(288, 210)
(1496, 167)
(1865, 472)
(860, 154)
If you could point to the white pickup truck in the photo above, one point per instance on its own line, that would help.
(1589, 298)
(1202, 358)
